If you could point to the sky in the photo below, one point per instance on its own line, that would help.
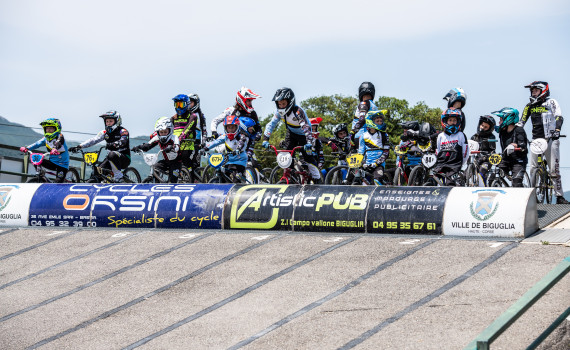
(75, 60)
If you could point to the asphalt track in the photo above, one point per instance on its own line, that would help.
(169, 289)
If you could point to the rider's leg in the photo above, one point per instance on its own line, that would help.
(59, 171)
(116, 161)
(553, 157)
(533, 164)
(518, 174)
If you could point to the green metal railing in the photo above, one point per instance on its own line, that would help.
(485, 338)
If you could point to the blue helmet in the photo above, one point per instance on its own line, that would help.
(451, 129)
(508, 115)
(246, 123)
(370, 120)
(181, 103)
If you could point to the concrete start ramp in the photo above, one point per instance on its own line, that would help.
(467, 212)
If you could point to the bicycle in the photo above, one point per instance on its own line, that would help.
(400, 176)
(283, 173)
(157, 175)
(37, 159)
(422, 172)
(100, 175)
(354, 170)
(496, 177)
(217, 162)
(543, 180)
(473, 176)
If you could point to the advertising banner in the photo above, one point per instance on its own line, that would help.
(263, 207)
(332, 209)
(15, 203)
(129, 205)
(492, 212)
(407, 210)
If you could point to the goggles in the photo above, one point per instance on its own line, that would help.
(179, 104)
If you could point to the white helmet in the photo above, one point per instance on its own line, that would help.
(163, 123)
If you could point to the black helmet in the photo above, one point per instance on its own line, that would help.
(410, 125)
(284, 94)
(366, 88)
(426, 130)
(338, 128)
(489, 119)
(544, 91)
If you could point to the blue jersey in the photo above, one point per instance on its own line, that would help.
(238, 143)
(376, 147)
(62, 159)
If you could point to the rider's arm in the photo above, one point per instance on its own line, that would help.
(216, 121)
(190, 126)
(361, 145)
(94, 140)
(361, 110)
(525, 115)
(464, 147)
(305, 124)
(557, 112)
(37, 144)
(273, 123)
(216, 142)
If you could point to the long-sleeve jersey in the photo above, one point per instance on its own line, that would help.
(452, 150)
(61, 159)
(186, 128)
(238, 113)
(360, 117)
(413, 152)
(344, 146)
(375, 147)
(546, 117)
(296, 122)
(118, 140)
(239, 143)
(172, 155)
(517, 136)
(485, 145)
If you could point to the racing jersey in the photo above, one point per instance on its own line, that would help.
(375, 147)
(239, 143)
(185, 128)
(173, 141)
(517, 136)
(452, 150)
(296, 122)
(238, 112)
(118, 140)
(545, 117)
(61, 159)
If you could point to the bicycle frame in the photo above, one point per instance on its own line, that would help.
(287, 157)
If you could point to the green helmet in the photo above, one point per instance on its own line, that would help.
(53, 122)
(370, 120)
(508, 115)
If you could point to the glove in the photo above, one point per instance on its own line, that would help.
(320, 166)
(265, 144)
(181, 137)
(215, 134)
(54, 152)
(555, 135)
(136, 149)
(74, 149)
(24, 150)
(510, 149)
(109, 146)
(520, 124)
(235, 152)
(168, 148)
(369, 167)
(333, 146)
(308, 147)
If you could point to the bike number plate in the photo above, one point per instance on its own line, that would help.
(91, 157)
(36, 158)
(473, 145)
(429, 160)
(538, 146)
(150, 159)
(495, 158)
(216, 160)
(284, 159)
(354, 160)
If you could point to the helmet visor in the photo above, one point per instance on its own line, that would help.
(179, 104)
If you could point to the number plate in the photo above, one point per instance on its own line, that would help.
(429, 160)
(538, 146)
(284, 159)
(355, 160)
(216, 160)
(473, 145)
(150, 159)
(91, 157)
(495, 158)
(36, 158)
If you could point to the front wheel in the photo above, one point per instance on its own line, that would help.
(184, 176)
(418, 176)
(336, 175)
(471, 176)
(541, 186)
(399, 177)
(276, 175)
(132, 175)
(72, 176)
(34, 180)
(250, 176)
(499, 182)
